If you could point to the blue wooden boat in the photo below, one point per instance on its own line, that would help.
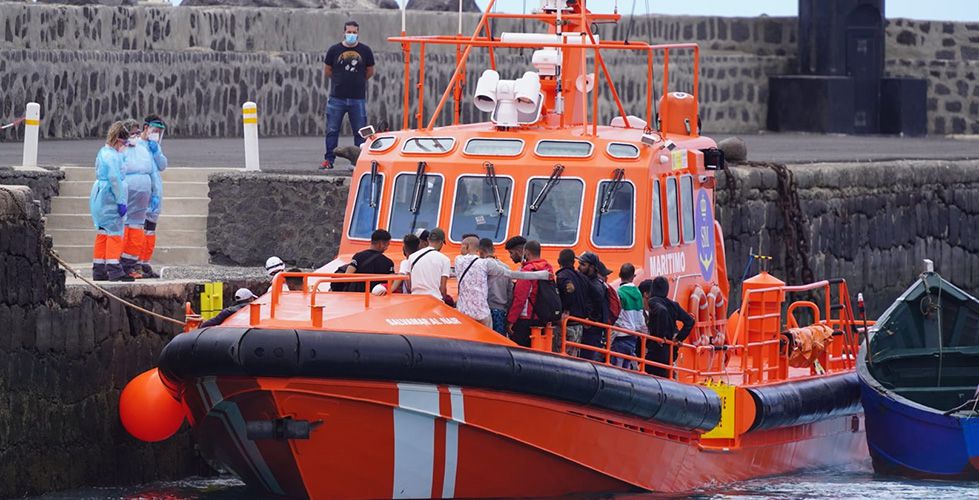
(919, 372)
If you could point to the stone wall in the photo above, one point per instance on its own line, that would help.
(252, 216)
(947, 55)
(90, 65)
(65, 355)
(871, 224)
(44, 183)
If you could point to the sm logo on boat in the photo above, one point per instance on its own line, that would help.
(704, 225)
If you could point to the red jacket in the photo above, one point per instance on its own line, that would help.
(525, 292)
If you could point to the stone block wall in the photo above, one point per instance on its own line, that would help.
(871, 224)
(65, 356)
(253, 216)
(44, 183)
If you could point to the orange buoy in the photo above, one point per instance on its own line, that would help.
(147, 410)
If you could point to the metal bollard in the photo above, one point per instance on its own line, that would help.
(32, 124)
(249, 120)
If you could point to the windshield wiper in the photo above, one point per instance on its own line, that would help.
(373, 200)
(491, 179)
(610, 193)
(551, 182)
(416, 196)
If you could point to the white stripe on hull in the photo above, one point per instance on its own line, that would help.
(414, 440)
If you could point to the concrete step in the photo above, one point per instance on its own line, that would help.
(174, 238)
(175, 174)
(167, 222)
(172, 205)
(170, 189)
(163, 256)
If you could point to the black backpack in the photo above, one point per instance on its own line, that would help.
(547, 307)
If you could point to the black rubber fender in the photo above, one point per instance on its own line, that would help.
(220, 351)
(804, 402)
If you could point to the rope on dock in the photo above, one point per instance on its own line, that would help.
(112, 296)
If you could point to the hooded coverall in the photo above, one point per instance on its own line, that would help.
(153, 213)
(140, 166)
(108, 192)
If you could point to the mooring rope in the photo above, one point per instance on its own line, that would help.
(111, 295)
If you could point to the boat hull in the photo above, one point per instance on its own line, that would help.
(906, 441)
(376, 439)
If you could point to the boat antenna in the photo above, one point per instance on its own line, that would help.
(632, 20)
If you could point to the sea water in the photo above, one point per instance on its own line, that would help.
(853, 482)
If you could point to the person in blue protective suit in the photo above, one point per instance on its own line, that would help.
(142, 157)
(108, 205)
(153, 130)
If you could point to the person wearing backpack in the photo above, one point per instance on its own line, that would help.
(630, 318)
(473, 274)
(522, 315)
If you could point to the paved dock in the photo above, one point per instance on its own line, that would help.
(304, 154)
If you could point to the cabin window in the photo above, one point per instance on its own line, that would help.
(564, 149)
(476, 209)
(367, 207)
(656, 218)
(555, 222)
(622, 150)
(494, 147)
(382, 143)
(614, 206)
(435, 145)
(415, 203)
(672, 212)
(686, 204)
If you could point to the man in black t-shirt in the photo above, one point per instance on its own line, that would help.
(349, 64)
(372, 260)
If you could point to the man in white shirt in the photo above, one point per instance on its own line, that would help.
(429, 268)
(473, 272)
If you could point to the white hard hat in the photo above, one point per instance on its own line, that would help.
(244, 294)
(274, 265)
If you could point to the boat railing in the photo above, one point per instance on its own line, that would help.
(312, 286)
(757, 350)
(482, 37)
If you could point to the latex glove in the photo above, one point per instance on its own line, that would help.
(121, 207)
(153, 146)
(154, 203)
(379, 290)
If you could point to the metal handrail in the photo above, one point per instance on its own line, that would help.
(279, 279)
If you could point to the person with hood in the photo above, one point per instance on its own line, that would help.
(243, 297)
(107, 204)
(661, 319)
(522, 317)
(142, 157)
(153, 130)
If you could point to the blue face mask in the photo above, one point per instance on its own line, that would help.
(350, 38)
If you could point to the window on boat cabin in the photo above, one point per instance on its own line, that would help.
(686, 204)
(494, 147)
(614, 206)
(382, 143)
(622, 150)
(656, 218)
(558, 214)
(564, 149)
(476, 209)
(672, 212)
(434, 145)
(367, 207)
(415, 203)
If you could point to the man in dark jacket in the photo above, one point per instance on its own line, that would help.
(591, 267)
(243, 297)
(573, 289)
(663, 314)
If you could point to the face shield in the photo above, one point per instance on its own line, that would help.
(156, 130)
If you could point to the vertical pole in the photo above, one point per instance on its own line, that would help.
(32, 124)
(421, 88)
(249, 120)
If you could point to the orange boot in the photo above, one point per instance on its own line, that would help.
(131, 248)
(99, 272)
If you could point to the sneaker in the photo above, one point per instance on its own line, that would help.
(136, 275)
(326, 165)
(148, 272)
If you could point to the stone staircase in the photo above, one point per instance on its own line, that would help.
(181, 232)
